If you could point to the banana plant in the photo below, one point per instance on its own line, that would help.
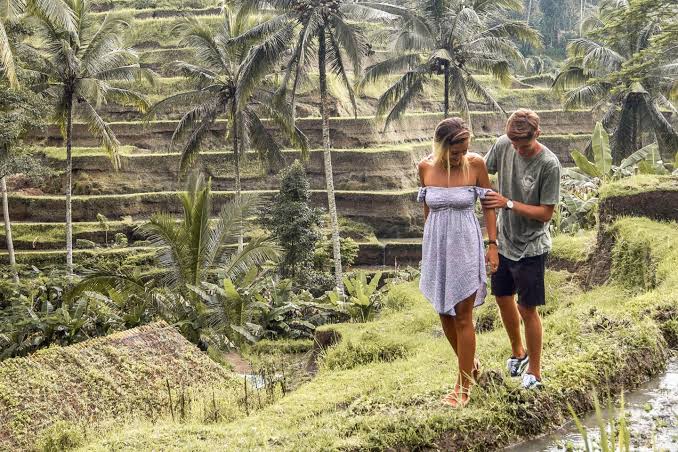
(363, 297)
(645, 161)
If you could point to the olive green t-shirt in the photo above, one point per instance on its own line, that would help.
(535, 181)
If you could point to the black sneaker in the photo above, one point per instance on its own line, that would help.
(516, 366)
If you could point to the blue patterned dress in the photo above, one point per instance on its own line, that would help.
(453, 257)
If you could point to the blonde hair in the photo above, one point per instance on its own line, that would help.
(523, 124)
(450, 131)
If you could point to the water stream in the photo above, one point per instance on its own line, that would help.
(653, 414)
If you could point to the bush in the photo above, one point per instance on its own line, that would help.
(293, 222)
(85, 244)
(61, 436)
(323, 259)
(120, 240)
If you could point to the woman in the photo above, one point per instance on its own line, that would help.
(453, 276)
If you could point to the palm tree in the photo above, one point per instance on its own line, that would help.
(19, 111)
(327, 38)
(11, 11)
(229, 81)
(75, 70)
(189, 252)
(596, 75)
(455, 39)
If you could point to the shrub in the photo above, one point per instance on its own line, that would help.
(61, 436)
(292, 221)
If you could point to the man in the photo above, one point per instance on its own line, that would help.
(528, 191)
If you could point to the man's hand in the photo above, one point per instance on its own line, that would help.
(492, 258)
(493, 200)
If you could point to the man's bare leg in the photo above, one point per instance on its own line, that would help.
(533, 338)
(511, 320)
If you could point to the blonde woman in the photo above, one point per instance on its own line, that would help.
(453, 275)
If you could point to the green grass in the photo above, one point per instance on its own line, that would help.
(55, 232)
(380, 386)
(102, 379)
(573, 247)
(59, 152)
(638, 184)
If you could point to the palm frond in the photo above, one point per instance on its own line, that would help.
(124, 96)
(336, 64)
(187, 97)
(191, 147)
(198, 36)
(397, 98)
(107, 38)
(583, 96)
(7, 58)
(230, 221)
(256, 253)
(517, 30)
(100, 128)
(391, 66)
(261, 140)
(568, 78)
(200, 75)
(474, 87)
(165, 233)
(348, 38)
(260, 62)
(56, 11)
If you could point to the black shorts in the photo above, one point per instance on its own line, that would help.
(525, 277)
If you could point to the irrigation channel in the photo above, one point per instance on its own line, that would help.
(652, 411)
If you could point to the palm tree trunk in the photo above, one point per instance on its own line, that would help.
(581, 16)
(529, 12)
(69, 184)
(447, 90)
(327, 157)
(238, 186)
(8, 231)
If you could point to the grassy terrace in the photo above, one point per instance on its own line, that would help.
(393, 371)
(639, 184)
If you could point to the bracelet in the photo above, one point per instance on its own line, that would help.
(491, 242)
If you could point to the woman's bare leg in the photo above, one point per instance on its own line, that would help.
(466, 343)
(450, 330)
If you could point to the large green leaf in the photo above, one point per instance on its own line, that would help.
(584, 165)
(646, 153)
(600, 143)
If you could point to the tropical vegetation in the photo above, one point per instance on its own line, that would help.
(456, 40)
(194, 220)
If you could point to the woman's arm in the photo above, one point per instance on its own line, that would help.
(483, 180)
(421, 169)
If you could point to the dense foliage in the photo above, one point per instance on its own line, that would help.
(293, 222)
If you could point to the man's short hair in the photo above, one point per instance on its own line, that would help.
(522, 125)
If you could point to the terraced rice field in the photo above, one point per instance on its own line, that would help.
(374, 169)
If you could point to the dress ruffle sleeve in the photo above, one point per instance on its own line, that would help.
(421, 194)
(482, 192)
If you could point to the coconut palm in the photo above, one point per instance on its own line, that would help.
(596, 75)
(324, 37)
(75, 69)
(189, 252)
(229, 79)
(457, 40)
(57, 11)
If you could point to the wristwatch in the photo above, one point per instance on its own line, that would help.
(509, 204)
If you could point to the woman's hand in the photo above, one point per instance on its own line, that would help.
(492, 258)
